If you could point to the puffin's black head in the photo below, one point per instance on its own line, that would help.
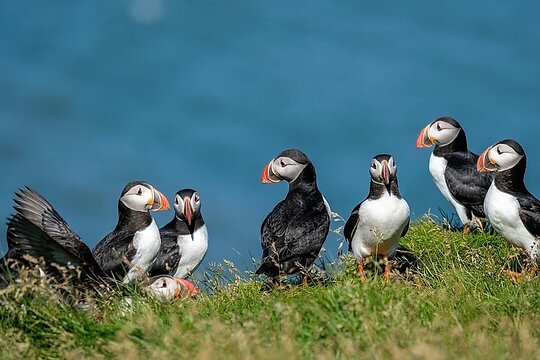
(287, 166)
(439, 132)
(187, 205)
(141, 196)
(383, 170)
(504, 155)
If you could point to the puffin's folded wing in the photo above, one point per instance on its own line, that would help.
(529, 212)
(350, 226)
(306, 237)
(168, 256)
(466, 184)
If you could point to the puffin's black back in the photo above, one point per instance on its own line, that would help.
(293, 233)
(468, 186)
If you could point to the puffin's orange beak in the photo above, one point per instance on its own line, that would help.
(192, 290)
(268, 176)
(484, 162)
(160, 202)
(188, 211)
(423, 140)
(385, 173)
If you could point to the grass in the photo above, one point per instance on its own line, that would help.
(458, 304)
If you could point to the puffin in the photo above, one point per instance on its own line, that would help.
(36, 229)
(293, 233)
(130, 250)
(510, 208)
(453, 168)
(184, 240)
(376, 225)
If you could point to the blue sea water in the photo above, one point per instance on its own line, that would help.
(203, 94)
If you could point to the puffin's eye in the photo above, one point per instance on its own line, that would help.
(139, 192)
(197, 199)
(499, 151)
(373, 166)
(176, 200)
(439, 128)
(282, 163)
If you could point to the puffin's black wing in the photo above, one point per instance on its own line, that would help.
(351, 224)
(36, 209)
(406, 228)
(27, 238)
(169, 255)
(529, 213)
(465, 183)
(292, 232)
(115, 252)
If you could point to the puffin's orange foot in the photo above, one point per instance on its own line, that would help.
(387, 269)
(361, 272)
(534, 270)
(466, 230)
(514, 275)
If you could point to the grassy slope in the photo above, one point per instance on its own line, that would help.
(457, 305)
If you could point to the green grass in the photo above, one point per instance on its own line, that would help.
(458, 304)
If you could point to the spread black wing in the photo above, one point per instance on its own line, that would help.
(351, 224)
(291, 235)
(168, 256)
(27, 238)
(529, 213)
(36, 209)
(465, 183)
(115, 252)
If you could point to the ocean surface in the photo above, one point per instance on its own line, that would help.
(203, 94)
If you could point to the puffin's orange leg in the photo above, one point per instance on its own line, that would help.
(514, 275)
(361, 272)
(387, 269)
(534, 269)
(466, 230)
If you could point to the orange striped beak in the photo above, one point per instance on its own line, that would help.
(160, 202)
(423, 140)
(268, 176)
(484, 162)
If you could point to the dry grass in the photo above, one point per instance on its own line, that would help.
(457, 304)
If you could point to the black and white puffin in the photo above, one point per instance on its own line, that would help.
(510, 208)
(377, 223)
(184, 241)
(36, 229)
(293, 233)
(130, 250)
(453, 168)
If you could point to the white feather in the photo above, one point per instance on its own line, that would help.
(147, 243)
(502, 211)
(437, 167)
(380, 225)
(192, 251)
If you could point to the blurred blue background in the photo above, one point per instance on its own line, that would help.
(203, 94)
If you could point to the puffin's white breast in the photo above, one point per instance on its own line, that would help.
(192, 251)
(147, 243)
(380, 224)
(502, 211)
(437, 167)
